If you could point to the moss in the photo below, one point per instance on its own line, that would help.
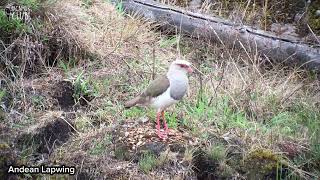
(313, 19)
(263, 163)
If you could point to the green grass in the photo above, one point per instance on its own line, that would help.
(217, 152)
(15, 26)
(2, 94)
(147, 162)
(119, 8)
(38, 101)
(12, 25)
(168, 42)
(290, 122)
(99, 146)
(219, 112)
(84, 87)
(83, 124)
(67, 66)
(172, 120)
(32, 4)
(134, 112)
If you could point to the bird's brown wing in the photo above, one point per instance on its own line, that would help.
(157, 87)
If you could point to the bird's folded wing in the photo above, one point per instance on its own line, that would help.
(157, 87)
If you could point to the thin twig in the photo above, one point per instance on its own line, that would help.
(153, 63)
(315, 36)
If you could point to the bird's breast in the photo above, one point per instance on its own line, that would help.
(178, 89)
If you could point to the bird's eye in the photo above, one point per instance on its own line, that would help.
(183, 65)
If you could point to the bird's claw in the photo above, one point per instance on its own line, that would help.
(162, 134)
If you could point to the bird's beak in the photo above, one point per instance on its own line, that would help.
(190, 70)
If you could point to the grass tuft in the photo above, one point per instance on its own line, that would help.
(217, 152)
(147, 162)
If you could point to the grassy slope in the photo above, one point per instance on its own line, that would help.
(250, 118)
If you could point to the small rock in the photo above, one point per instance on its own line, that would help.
(126, 134)
(143, 119)
(139, 143)
(318, 13)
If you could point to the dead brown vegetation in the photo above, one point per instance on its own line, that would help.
(244, 114)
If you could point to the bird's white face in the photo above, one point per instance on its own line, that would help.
(181, 66)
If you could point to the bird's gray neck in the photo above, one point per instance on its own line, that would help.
(178, 84)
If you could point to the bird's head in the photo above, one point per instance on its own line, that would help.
(180, 66)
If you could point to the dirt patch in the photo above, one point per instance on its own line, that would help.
(204, 167)
(117, 150)
(46, 136)
(63, 92)
(138, 138)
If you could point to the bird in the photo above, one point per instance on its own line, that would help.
(164, 91)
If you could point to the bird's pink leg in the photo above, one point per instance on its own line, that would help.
(158, 125)
(165, 124)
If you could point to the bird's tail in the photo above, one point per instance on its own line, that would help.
(132, 102)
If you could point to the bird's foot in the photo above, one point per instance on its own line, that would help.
(162, 135)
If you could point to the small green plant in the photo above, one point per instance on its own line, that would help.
(147, 162)
(83, 123)
(217, 152)
(81, 88)
(66, 66)
(172, 120)
(38, 101)
(119, 8)
(100, 145)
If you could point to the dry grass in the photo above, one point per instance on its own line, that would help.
(101, 31)
(239, 100)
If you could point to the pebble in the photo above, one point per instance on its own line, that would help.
(139, 143)
(318, 13)
(126, 134)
